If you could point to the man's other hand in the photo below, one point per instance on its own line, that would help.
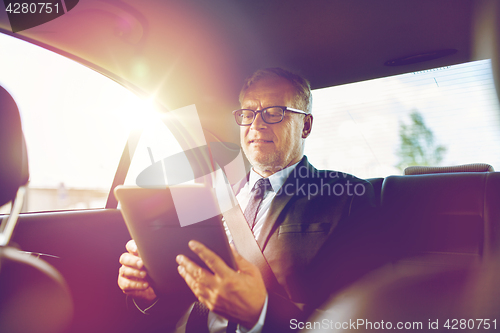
(132, 275)
(236, 295)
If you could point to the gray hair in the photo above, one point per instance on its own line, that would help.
(303, 96)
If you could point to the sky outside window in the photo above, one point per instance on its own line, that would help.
(76, 124)
(356, 126)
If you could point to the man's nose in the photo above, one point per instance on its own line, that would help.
(258, 122)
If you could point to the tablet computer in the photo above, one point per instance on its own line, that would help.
(163, 220)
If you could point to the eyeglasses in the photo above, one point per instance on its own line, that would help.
(270, 115)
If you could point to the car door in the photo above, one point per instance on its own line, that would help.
(77, 124)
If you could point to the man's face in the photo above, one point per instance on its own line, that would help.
(272, 147)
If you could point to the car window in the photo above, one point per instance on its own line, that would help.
(76, 123)
(376, 128)
(155, 143)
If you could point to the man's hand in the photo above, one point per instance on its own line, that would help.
(132, 275)
(236, 295)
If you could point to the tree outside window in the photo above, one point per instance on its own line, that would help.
(417, 144)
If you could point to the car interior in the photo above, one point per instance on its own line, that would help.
(169, 56)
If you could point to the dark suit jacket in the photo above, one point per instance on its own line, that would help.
(313, 209)
(308, 239)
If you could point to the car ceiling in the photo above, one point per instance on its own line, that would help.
(199, 52)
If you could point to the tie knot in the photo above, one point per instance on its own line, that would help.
(261, 187)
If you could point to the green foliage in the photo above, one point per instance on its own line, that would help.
(417, 145)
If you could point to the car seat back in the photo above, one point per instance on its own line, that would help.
(33, 295)
(449, 217)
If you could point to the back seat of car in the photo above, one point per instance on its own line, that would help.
(442, 218)
(444, 230)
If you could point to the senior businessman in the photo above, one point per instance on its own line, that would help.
(301, 218)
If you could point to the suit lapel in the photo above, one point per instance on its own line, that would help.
(290, 189)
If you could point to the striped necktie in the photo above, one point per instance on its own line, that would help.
(259, 190)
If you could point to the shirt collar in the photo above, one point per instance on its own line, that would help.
(276, 179)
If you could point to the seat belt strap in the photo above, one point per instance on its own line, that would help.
(247, 245)
(244, 239)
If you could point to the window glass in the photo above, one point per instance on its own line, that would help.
(375, 128)
(155, 144)
(158, 146)
(76, 123)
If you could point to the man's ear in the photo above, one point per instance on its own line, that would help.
(308, 124)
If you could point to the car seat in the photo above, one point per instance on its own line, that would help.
(445, 237)
(34, 297)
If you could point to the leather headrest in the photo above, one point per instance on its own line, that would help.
(13, 155)
(425, 170)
